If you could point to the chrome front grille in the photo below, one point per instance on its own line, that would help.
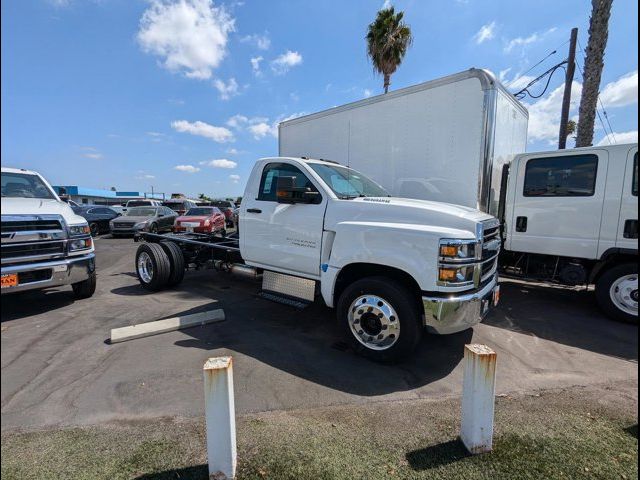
(37, 249)
(30, 238)
(31, 226)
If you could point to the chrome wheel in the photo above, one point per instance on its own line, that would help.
(624, 294)
(374, 322)
(145, 267)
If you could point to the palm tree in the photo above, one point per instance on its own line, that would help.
(388, 39)
(593, 64)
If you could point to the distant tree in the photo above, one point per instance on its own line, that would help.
(593, 65)
(204, 197)
(572, 127)
(113, 189)
(388, 39)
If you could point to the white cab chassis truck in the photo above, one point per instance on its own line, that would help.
(389, 266)
(44, 243)
(568, 216)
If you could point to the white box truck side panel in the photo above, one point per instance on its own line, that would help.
(420, 143)
(510, 138)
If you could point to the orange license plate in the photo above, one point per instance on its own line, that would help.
(10, 280)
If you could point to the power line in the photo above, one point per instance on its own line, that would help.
(523, 93)
(547, 56)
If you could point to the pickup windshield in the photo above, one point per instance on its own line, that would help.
(347, 183)
(23, 185)
(141, 212)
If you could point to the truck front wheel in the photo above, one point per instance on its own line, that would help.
(86, 288)
(617, 292)
(380, 319)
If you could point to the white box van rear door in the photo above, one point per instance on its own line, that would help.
(558, 203)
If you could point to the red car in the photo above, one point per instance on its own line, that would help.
(201, 220)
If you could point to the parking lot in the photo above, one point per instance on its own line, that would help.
(58, 368)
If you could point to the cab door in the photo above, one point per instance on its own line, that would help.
(283, 237)
(558, 203)
(627, 236)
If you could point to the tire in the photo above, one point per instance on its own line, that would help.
(617, 294)
(176, 262)
(153, 228)
(152, 266)
(95, 229)
(392, 318)
(86, 288)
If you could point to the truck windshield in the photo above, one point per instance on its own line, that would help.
(141, 212)
(24, 185)
(347, 183)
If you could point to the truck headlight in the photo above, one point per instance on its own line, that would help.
(457, 250)
(454, 274)
(82, 229)
(80, 244)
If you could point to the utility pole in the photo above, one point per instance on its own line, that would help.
(568, 81)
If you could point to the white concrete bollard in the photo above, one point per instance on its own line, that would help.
(220, 418)
(478, 398)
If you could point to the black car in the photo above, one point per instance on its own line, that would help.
(97, 217)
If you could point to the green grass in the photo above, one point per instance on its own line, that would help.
(557, 435)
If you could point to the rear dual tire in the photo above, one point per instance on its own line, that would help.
(159, 265)
(380, 319)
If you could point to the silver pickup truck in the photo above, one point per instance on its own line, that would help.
(44, 243)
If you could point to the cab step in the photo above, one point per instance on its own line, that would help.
(297, 303)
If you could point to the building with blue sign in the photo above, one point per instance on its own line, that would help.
(94, 196)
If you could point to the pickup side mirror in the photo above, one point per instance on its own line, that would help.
(287, 192)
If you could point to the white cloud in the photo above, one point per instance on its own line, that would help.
(255, 65)
(189, 36)
(263, 42)
(202, 129)
(234, 178)
(620, 137)
(262, 129)
(486, 32)
(186, 168)
(226, 90)
(155, 134)
(386, 4)
(524, 41)
(621, 92)
(233, 151)
(220, 163)
(92, 155)
(285, 61)
(237, 121)
(544, 115)
(502, 76)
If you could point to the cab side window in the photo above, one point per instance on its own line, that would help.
(269, 180)
(567, 176)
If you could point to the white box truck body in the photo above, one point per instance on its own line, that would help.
(443, 140)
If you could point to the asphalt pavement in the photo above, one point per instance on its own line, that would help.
(59, 369)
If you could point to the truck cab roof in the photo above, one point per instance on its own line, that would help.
(18, 170)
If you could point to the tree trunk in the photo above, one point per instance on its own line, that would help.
(593, 64)
(387, 82)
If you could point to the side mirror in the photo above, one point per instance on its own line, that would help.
(287, 192)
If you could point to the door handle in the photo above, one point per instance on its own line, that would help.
(521, 224)
(631, 229)
(254, 210)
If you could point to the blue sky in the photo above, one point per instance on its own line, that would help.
(185, 95)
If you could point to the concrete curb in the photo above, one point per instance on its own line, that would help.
(167, 325)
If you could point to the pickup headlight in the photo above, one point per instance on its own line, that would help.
(454, 274)
(458, 250)
(80, 244)
(77, 230)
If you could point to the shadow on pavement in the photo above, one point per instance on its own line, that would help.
(307, 344)
(437, 455)
(569, 317)
(198, 472)
(35, 302)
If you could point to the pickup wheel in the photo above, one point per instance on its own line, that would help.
(176, 262)
(153, 228)
(152, 266)
(617, 292)
(95, 229)
(86, 288)
(380, 319)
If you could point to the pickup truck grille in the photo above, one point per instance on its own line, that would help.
(30, 226)
(37, 249)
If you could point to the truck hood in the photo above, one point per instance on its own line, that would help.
(407, 211)
(39, 206)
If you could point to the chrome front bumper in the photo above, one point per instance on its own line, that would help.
(61, 272)
(456, 313)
